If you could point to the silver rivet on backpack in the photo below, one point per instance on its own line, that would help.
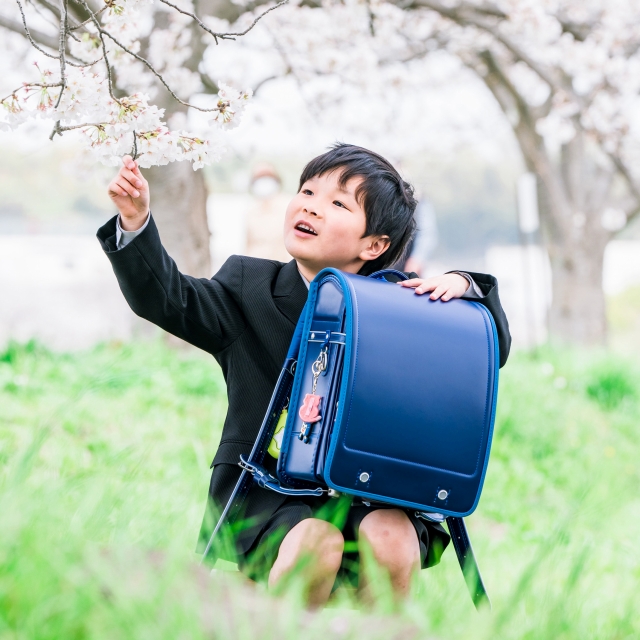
(443, 494)
(364, 477)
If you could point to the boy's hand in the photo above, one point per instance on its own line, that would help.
(450, 285)
(129, 191)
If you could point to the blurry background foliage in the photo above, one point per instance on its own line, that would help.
(104, 461)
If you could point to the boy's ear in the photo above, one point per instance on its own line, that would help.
(375, 247)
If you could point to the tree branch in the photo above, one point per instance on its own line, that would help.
(265, 81)
(530, 142)
(464, 16)
(223, 36)
(634, 187)
(524, 111)
(95, 22)
(208, 83)
(44, 39)
(38, 39)
(61, 50)
(27, 85)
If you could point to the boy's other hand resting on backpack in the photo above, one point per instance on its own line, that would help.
(445, 287)
(129, 191)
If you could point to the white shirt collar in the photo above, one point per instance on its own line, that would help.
(306, 282)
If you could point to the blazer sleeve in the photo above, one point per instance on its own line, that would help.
(491, 300)
(207, 313)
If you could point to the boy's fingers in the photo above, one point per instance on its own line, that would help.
(115, 190)
(448, 295)
(425, 287)
(128, 189)
(438, 292)
(411, 282)
(135, 169)
(131, 177)
(128, 162)
(122, 180)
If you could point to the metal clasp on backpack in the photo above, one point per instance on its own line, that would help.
(317, 368)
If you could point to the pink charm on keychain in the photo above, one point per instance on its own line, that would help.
(310, 409)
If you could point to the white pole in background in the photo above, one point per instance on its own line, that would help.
(528, 225)
(528, 216)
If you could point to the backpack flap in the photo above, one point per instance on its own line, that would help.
(417, 400)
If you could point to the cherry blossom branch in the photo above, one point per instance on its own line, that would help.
(96, 24)
(63, 42)
(60, 129)
(134, 148)
(86, 98)
(85, 22)
(153, 70)
(27, 85)
(66, 29)
(150, 67)
(223, 36)
(102, 32)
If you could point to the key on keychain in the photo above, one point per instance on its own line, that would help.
(310, 409)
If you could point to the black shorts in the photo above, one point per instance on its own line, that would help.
(257, 561)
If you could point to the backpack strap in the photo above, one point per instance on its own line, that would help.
(380, 275)
(265, 480)
(279, 400)
(467, 560)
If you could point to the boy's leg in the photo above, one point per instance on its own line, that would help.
(316, 547)
(393, 542)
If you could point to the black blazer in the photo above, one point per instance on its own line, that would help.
(245, 317)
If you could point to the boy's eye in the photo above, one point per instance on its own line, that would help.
(339, 204)
(307, 192)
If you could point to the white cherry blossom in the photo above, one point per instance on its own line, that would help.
(86, 101)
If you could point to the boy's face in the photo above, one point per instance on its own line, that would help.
(325, 224)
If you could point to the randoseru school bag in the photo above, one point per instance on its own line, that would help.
(391, 397)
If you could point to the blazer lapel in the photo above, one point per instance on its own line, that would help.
(290, 292)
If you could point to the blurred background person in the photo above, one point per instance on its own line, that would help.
(265, 216)
(426, 239)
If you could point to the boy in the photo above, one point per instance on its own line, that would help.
(353, 212)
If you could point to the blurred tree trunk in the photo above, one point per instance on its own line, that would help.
(575, 185)
(178, 203)
(578, 310)
(178, 193)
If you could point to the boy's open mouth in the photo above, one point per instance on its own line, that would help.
(305, 228)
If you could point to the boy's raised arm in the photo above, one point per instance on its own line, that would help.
(206, 313)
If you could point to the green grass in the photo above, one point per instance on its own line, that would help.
(104, 462)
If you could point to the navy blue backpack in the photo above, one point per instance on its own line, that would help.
(391, 397)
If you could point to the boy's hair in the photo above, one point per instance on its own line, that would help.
(387, 200)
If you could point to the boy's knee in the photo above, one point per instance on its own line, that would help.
(318, 539)
(392, 538)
